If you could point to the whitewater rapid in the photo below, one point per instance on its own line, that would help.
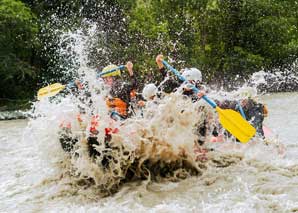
(255, 179)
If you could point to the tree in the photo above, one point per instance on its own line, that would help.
(224, 38)
(17, 49)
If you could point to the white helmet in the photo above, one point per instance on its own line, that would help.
(192, 74)
(149, 91)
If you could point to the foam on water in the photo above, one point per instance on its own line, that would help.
(248, 178)
(165, 133)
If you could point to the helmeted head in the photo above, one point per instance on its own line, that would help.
(193, 75)
(246, 92)
(149, 91)
(109, 77)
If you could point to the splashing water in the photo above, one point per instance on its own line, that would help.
(139, 139)
(250, 179)
(276, 80)
(156, 147)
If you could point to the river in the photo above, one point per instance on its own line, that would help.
(257, 181)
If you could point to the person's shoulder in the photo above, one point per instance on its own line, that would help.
(254, 101)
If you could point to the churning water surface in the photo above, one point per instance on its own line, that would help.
(253, 179)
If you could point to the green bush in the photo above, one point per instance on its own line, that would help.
(17, 51)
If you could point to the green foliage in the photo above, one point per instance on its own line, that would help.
(18, 32)
(222, 37)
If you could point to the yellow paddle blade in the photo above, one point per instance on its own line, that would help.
(50, 90)
(234, 123)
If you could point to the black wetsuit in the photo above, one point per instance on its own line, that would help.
(122, 91)
(166, 83)
(254, 112)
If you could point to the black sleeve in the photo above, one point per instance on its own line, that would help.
(157, 77)
(255, 113)
(227, 104)
(170, 84)
(163, 72)
(122, 89)
(133, 82)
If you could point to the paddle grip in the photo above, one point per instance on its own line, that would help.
(121, 67)
(196, 90)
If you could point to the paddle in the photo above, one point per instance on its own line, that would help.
(231, 120)
(121, 67)
(54, 89)
(241, 110)
(50, 90)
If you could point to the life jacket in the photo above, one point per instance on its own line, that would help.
(94, 124)
(118, 105)
(109, 131)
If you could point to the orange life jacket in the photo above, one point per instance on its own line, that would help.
(118, 105)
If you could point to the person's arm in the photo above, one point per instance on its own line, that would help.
(159, 60)
(133, 80)
(162, 69)
(171, 83)
(129, 66)
(228, 104)
(124, 88)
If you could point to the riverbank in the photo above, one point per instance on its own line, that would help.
(14, 109)
(12, 115)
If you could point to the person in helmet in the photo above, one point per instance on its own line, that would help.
(118, 101)
(149, 92)
(148, 99)
(194, 78)
(119, 97)
(252, 111)
(192, 75)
